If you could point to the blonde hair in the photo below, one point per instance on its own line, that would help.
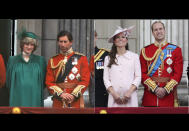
(27, 40)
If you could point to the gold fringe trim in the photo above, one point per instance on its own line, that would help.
(152, 67)
(52, 64)
(148, 58)
(61, 65)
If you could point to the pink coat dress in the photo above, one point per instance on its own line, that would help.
(122, 76)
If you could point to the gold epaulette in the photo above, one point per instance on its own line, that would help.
(151, 84)
(169, 86)
(79, 53)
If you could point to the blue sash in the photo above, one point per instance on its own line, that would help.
(158, 63)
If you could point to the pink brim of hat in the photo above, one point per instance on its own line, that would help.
(120, 30)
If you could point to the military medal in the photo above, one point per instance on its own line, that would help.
(97, 65)
(169, 52)
(66, 80)
(71, 76)
(74, 70)
(74, 61)
(78, 76)
(169, 70)
(100, 65)
(169, 61)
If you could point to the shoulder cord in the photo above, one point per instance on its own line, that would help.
(156, 55)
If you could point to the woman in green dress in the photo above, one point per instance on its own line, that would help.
(25, 74)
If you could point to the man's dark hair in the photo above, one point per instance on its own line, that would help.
(65, 33)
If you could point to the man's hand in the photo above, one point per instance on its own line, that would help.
(73, 98)
(160, 92)
(68, 97)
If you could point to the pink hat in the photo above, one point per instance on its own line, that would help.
(127, 32)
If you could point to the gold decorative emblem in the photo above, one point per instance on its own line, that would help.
(103, 112)
(169, 61)
(71, 76)
(169, 70)
(16, 110)
(74, 70)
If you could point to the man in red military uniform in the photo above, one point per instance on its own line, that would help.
(67, 74)
(162, 67)
(2, 72)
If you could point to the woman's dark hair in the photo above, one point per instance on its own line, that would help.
(113, 53)
(65, 33)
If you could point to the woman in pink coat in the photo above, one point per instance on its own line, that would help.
(122, 71)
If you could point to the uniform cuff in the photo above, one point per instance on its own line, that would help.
(151, 84)
(57, 90)
(77, 91)
(169, 86)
